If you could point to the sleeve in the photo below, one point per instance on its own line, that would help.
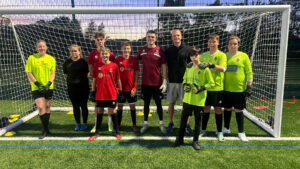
(136, 65)
(209, 79)
(248, 69)
(28, 65)
(163, 57)
(112, 57)
(223, 61)
(65, 67)
(185, 77)
(90, 60)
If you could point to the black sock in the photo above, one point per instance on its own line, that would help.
(133, 116)
(240, 121)
(119, 112)
(42, 117)
(98, 122)
(205, 120)
(219, 119)
(114, 120)
(227, 118)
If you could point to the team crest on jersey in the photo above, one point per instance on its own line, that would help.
(199, 73)
(122, 69)
(237, 60)
(215, 58)
(100, 75)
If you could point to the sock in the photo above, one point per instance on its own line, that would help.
(42, 117)
(240, 121)
(133, 116)
(114, 120)
(119, 115)
(109, 118)
(145, 122)
(227, 118)
(218, 118)
(161, 122)
(47, 121)
(205, 120)
(98, 122)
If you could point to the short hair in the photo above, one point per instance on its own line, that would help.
(39, 41)
(151, 31)
(176, 30)
(236, 38)
(214, 36)
(125, 44)
(105, 49)
(99, 34)
(195, 51)
(79, 49)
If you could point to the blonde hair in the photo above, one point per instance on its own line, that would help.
(236, 38)
(78, 48)
(214, 36)
(105, 49)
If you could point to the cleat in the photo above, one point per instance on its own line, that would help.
(202, 133)
(134, 128)
(196, 145)
(188, 129)
(162, 129)
(226, 131)
(242, 137)
(110, 126)
(178, 143)
(118, 136)
(93, 129)
(144, 128)
(83, 127)
(43, 135)
(170, 127)
(94, 137)
(220, 136)
(77, 127)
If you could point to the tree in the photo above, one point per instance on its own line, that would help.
(90, 30)
(101, 27)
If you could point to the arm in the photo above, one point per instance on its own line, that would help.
(119, 84)
(52, 77)
(164, 71)
(94, 84)
(209, 79)
(31, 77)
(222, 64)
(90, 69)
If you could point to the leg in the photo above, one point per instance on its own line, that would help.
(184, 116)
(119, 114)
(197, 111)
(85, 113)
(157, 98)
(111, 112)
(205, 120)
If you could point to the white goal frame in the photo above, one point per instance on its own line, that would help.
(284, 9)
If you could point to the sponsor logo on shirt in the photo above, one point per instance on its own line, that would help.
(144, 53)
(157, 53)
(110, 70)
(99, 68)
(232, 68)
(237, 60)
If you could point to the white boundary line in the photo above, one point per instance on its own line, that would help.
(170, 138)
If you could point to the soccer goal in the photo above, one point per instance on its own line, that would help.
(263, 31)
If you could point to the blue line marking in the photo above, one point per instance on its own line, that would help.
(147, 146)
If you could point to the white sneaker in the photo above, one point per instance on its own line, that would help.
(242, 137)
(162, 129)
(144, 128)
(220, 136)
(226, 131)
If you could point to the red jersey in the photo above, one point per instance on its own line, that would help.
(95, 57)
(127, 68)
(106, 80)
(152, 59)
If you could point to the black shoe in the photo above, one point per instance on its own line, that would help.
(178, 143)
(196, 145)
(43, 135)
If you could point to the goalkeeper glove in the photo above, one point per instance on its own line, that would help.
(202, 65)
(41, 88)
(92, 96)
(211, 65)
(197, 89)
(133, 90)
(248, 91)
(48, 85)
(189, 65)
(163, 87)
(186, 87)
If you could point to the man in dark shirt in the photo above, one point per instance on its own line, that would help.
(177, 57)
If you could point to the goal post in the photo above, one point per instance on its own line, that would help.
(262, 29)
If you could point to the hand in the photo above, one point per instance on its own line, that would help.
(211, 65)
(202, 65)
(248, 91)
(133, 90)
(92, 96)
(163, 87)
(186, 87)
(41, 88)
(197, 89)
(121, 96)
(48, 85)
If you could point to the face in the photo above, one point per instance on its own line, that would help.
(213, 43)
(100, 41)
(176, 36)
(126, 50)
(105, 55)
(195, 58)
(233, 45)
(41, 48)
(75, 52)
(151, 38)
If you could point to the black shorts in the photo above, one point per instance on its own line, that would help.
(214, 98)
(106, 103)
(128, 97)
(149, 91)
(234, 99)
(189, 109)
(37, 94)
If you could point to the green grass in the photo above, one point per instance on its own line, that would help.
(62, 124)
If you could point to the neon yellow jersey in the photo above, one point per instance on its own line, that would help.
(41, 68)
(218, 58)
(238, 71)
(199, 77)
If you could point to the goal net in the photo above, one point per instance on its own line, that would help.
(263, 31)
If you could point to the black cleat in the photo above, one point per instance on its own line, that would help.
(43, 135)
(178, 143)
(196, 145)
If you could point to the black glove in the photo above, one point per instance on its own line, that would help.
(197, 89)
(211, 65)
(41, 88)
(189, 65)
(248, 91)
(202, 65)
(92, 96)
(186, 87)
(48, 85)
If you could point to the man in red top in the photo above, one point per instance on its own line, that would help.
(106, 78)
(129, 71)
(154, 60)
(95, 57)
